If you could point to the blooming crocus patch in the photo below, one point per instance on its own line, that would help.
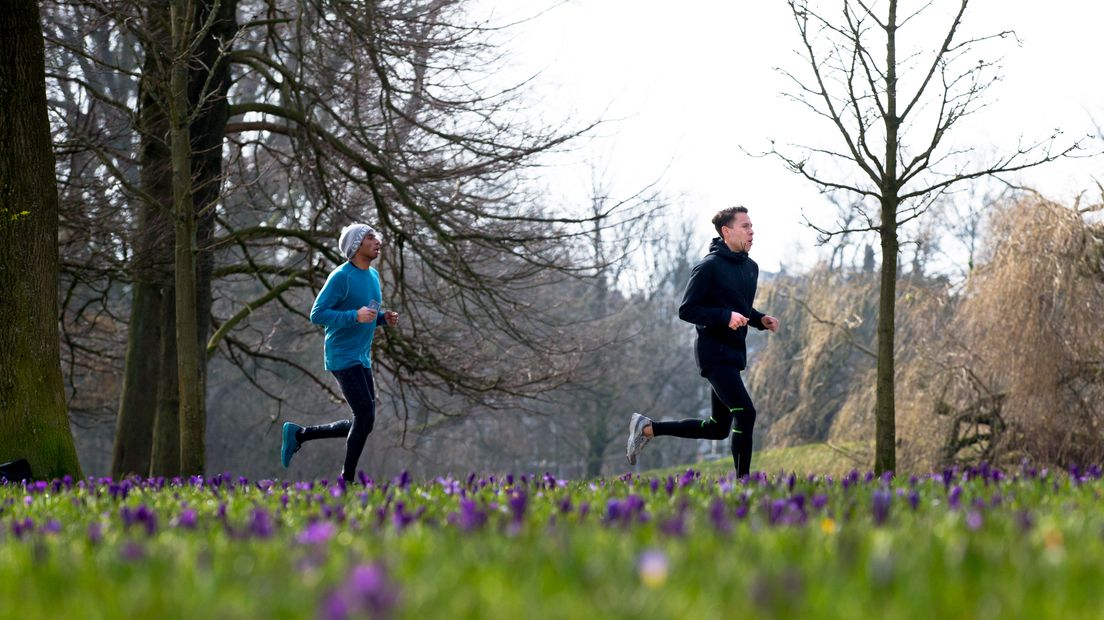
(975, 542)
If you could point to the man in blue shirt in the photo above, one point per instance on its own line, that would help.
(349, 307)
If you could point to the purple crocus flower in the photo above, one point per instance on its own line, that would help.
(187, 519)
(614, 511)
(725, 486)
(317, 533)
(19, 527)
(674, 526)
(797, 503)
(775, 509)
(142, 515)
(687, 478)
(470, 516)
(401, 518)
(913, 499)
(95, 532)
(565, 504)
(973, 520)
(820, 500)
(881, 501)
(368, 589)
(654, 485)
(132, 552)
(718, 516)
(119, 491)
(517, 502)
(741, 511)
(334, 607)
(624, 512)
(260, 524)
(954, 500)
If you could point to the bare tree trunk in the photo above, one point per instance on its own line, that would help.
(187, 345)
(138, 400)
(209, 86)
(885, 423)
(34, 423)
(165, 460)
(145, 375)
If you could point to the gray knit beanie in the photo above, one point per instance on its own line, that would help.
(351, 238)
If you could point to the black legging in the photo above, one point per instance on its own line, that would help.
(360, 392)
(730, 400)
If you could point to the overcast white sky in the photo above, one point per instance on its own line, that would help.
(688, 84)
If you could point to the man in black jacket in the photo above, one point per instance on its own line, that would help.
(719, 301)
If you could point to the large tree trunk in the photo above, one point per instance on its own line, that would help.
(199, 110)
(165, 460)
(138, 400)
(188, 193)
(34, 423)
(885, 442)
(145, 376)
(192, 426)
(208, 133)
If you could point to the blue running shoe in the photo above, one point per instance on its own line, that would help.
(291, 445)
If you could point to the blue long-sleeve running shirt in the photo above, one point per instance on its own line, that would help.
(348, 288)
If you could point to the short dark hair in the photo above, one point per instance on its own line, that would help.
(725, 216)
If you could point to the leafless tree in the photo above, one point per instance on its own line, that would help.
(893, 102)
(332, 112)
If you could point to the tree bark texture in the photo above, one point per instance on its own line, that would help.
(34, 423)
(885, 424)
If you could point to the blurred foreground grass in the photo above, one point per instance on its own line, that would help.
(976, 543)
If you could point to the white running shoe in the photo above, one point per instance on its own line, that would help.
(637, 439)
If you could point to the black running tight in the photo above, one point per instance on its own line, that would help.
(360, 392)
(732, 409)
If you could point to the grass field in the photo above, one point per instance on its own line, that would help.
(975, 543)
(823, 459)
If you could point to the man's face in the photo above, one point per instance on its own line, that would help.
(737, 234)
(370, 247)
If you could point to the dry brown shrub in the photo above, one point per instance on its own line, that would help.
(1011, 366)
(1030, 336)
(808, 370)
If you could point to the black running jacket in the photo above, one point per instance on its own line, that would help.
(724, 281)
